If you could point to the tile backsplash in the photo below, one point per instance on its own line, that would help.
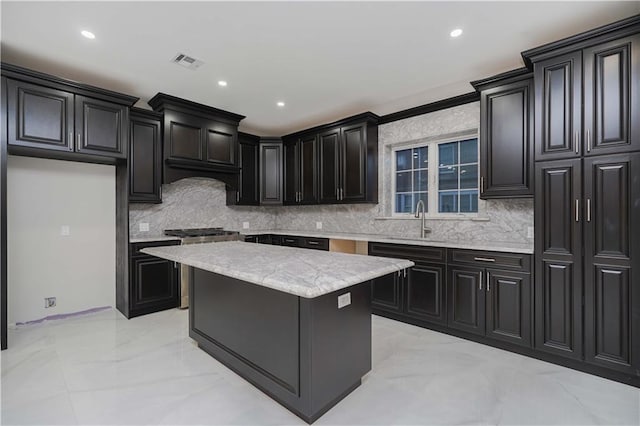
(200, 202)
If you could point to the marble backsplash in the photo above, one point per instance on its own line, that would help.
(196, 203)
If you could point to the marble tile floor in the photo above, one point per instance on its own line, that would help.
(103, 369)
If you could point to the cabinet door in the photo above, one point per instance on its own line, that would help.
(425, 293)
(39, 117)
(220, 142)
(509, 307)
(271, 173)
(558, 107)
(291, 173)
(290, 241)
(145, 160)
(506, 141)
(558, 258)
(100, 127)
(612, 266)
(329, 165)
(354, 163)
(466, 299)
(248, 193)
(386, 293)
(154, 286)
(611, 100)
(308, 170)
(183, 136)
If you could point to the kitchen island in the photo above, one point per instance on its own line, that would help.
(296, 323)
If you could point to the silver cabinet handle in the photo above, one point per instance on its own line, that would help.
(480, 285)
(79, 142)
(71, 141)
(481, 183)
(313, 243)
(175, 265)
(577, 210)
(588, 209)
(484, 259)
(488, 283)
(405, 273)
(588, 141)
(341, 194)
(576, 139)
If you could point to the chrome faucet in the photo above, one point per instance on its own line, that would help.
(423, 229)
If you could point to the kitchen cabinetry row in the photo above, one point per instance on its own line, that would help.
(290, 241)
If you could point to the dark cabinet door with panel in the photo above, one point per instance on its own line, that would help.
(271, 173)
(40, 117)
(145, 157)
(612, 272)
(291, 166)
(220, 142)
(509, 304)
(558, 260)
(558, 107)
(248, 182)
(353, 186)
(183, 135)
(308, 170)
(425, 292)
(466, 299)
(506, 140)
(611, 100)
(101, 127)
(329, 165)
(386, 293)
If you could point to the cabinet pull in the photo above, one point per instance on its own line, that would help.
(481, 184)
(313, 243)
(588, 209)
(577, 210)
(576, 138)
(237, 196)
(79, 142)
(405, 273)
(588, 141)
(484, 259)
(175, 265)
(71, 141)
(488, 283)
(480, 285)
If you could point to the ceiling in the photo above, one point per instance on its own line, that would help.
(325, 60)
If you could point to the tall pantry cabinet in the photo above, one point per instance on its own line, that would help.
(587, 198)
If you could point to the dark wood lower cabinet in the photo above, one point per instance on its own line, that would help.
(508, 303)
(386, 293)
(153, 282)
(466, 299)
(425, 289)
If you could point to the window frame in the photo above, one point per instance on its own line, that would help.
(432, 177)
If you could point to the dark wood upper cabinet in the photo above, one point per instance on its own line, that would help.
(145, 156)
(308, 169)
(199, 140)
(40, 117)
(46, 114)
(558, 247)
(612, 295)
(248, 184)
(506, 135)
(611, 111)
(329, 165)
(354, 179)
(291, 166)
(271, 172)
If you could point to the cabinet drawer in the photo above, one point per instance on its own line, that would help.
(409, 252)
(315, 243)
(290, 241)
(134, 248)
(515, 261)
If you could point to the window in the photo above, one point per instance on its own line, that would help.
(444, 175)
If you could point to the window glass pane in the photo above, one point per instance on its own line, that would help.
(448, 153)
(404, 203)
(420, 180)
(469, 151)
(425, 199)
(448, 177)
(469, 176)
(420, 158)
(448, 202)
(403, 159)
(468, 201)
(403, 182)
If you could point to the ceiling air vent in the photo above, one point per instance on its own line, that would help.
(187, 61)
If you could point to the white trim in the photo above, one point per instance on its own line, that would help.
(433, 167)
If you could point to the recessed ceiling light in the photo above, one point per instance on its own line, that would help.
(456, 33)
(280, 104)
(88, 34)
(222, 83)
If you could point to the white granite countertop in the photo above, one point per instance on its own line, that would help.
(301, 272)
(150, 239)
(471, 245)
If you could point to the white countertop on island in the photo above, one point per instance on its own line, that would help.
(301, 272)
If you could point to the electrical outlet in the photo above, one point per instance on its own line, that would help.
(530, 232)
(65, 230)
(144, 227)
(318, 225)
(245, 225)
(49, 302)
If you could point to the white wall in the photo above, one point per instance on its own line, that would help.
(79, 269)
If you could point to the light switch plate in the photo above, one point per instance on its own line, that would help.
(318, 225)
(144, 227)
(245, 225)
(65, 230)
(344, 300)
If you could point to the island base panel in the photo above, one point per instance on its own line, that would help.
(307, 354)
